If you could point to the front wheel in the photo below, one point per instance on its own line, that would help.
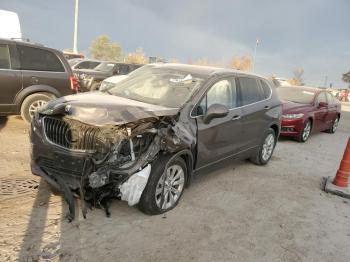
(265, 150)
(165, 185)
(305, 133)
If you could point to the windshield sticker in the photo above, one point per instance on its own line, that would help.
(186, 79)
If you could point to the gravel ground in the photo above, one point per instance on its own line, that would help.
(233, 212)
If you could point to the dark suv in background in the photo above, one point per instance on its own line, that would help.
(30, 76)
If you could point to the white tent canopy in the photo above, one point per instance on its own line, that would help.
(9, 25)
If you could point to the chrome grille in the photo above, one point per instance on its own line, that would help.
(71, 134)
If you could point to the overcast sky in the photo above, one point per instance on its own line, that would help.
(312, 34)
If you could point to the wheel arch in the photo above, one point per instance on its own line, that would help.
(187, 156)
(276, 129)
(32, 90)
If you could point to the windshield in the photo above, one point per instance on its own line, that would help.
(105, 67)
(157, 86)
(295, 94)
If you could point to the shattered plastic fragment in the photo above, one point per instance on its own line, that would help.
(132, 189)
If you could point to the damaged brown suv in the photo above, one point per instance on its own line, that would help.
(143, 139)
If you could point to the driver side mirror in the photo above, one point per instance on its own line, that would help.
(215, 111)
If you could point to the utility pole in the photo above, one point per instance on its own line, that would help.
(325, 81)
(256, 47)
(75, 38)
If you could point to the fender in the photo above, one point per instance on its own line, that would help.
(189, 162)
(34, 89)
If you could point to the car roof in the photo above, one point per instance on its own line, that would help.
(305, 88)
(203, 71)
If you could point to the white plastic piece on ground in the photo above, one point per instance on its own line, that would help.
(132, 189)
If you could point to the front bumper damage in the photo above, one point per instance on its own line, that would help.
(115, 165)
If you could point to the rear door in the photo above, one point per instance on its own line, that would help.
(43, 67)
(10, 78)
(321, 112)
(222, 137)
(255, 104)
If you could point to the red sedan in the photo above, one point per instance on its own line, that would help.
(307, 110)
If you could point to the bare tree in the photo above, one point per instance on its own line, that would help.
(297, 79)
(103, 49)
(241, 63)
(137, 57)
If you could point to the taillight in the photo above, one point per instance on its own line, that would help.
(73, 84)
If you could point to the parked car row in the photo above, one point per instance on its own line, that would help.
(90, 73)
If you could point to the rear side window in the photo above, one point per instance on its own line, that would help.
(4, 57)
(265, 88)
(250, 90)
(321, 98)
(38, 59)
(331, 99)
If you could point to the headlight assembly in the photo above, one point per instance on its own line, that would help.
(293, 116)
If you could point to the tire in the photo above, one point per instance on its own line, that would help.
(334, 126)
(150, 202)
(262, 157)
(32, 103)
(305, 133)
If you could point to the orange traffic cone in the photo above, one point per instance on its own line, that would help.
(342, 177)
(339, 185)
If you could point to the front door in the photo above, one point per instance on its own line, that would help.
(321, 112)
(222, 137)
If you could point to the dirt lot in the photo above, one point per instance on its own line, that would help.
(234, 212)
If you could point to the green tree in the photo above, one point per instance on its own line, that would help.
(103, 49)
(346, 78)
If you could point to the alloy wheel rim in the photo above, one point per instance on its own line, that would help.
(35, 106)
(335, 125)
(170, 185)
(268, 146)
(306, 131)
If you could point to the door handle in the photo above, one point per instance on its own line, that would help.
(266, 107)
(236, 117)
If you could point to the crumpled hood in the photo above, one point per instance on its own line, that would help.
(100, 109)
(292, 107)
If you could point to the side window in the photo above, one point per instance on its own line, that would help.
(4, 57)
(250, 90)
(38, 59)
(330, 99)
(266, 89)
(123, 69)
(321, 98)
(222, 92)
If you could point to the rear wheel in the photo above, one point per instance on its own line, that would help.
(305, 133)
(165, 186)
(32, 103)
(334, 126)
(265, 150)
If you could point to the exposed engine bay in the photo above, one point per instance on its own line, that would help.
(117, 159)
